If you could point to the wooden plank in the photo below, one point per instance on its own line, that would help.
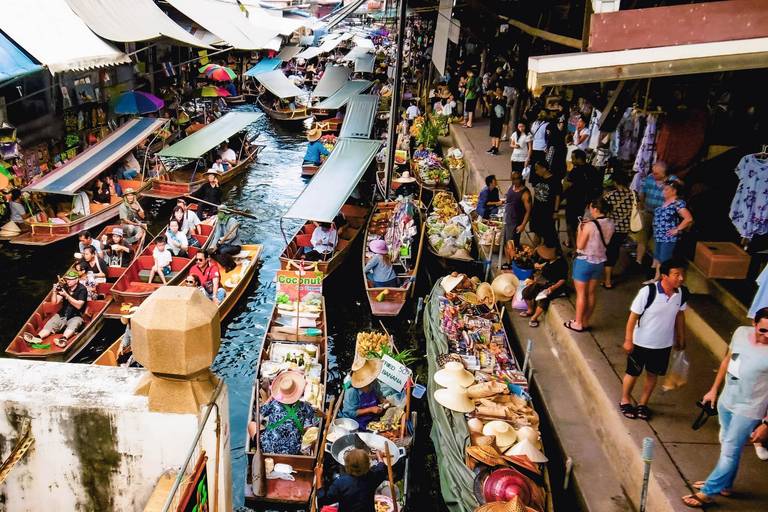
(679, 24)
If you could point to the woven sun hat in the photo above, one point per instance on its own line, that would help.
(522, 464)
(485, 294)
(476, 439)
(442, 359)
(475, 426)
(505, 286)
(405, 178)
(488, 455)
(503, 431)
(288, 387)
(378, 247)
(530, 434)
(211, 171)
(10, 229)
(367, 373)
(527, 448)
(546, 252)
(454, 374)
(462, 254)
(506, 483)
(314, 134)
(450, 282)
(455, 398)
(358, 363)
(129, 191)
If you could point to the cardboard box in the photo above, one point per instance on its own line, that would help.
(722, 260)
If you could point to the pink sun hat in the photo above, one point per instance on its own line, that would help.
(379, 247)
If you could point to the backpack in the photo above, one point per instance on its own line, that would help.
(686, 293)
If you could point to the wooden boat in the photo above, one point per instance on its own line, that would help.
(328, 126)
(132, 288)
(235, 100)
(109, 356)
(432, 186)
(282, 491)
(161, 142)
(187, 180)
(390, 300)
(43, 231)
(307, 171)
(286, 115)
(451, 262)
(356, 217)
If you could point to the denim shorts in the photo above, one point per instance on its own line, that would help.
(585, 271)
(662, 251)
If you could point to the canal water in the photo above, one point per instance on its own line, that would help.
(266, 190)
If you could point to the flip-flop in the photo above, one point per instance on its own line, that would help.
(61, 342)
(700, 484)
(628, 411)
(607, 287)
(525, 314)
(30, 339)
(698, 502)
(568, 326)
(533, 323)
(643, 412)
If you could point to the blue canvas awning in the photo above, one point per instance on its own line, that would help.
(361, 112)
(341, 97)
(71, 177)
(323, 198)
(263, 66)
(13, 62)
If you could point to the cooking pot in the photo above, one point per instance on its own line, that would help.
(339, 448)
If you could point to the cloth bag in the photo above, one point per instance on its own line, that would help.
(635, 219)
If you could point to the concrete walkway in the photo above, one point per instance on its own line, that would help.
(578, 377)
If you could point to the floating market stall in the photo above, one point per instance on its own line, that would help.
(329, 142)
(449, 232)
(485, 428)
(281, 89)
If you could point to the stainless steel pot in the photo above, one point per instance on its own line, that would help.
(339, 448)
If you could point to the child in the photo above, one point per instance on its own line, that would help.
(177, 241)
(163, 258)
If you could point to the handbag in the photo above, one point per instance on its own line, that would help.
(635, 218)
(707, 410)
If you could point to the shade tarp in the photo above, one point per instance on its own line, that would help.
(338, 16)
(355, 52)
(314, 51)
(323, 198)
(264, 20)
(278, 84)
(135, 20)
(211, 136)
(364, 63)
(264, 66)
(341, 97)
(362, 42)
(53, 34)
(71, 177)
(13, 62)
(227, 21)
(361, 112)
(334, 77)
(288, 53)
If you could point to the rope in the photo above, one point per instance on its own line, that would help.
(25, 441)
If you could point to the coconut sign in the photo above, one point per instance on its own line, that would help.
(299, 286)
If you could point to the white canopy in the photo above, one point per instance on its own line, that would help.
(263, 19)
(278, 84)
(55, 36)
(362, 42)
(355, 52)
(314, 51)
(227, 21)
(137, 20)
(288, 53)
(334, 77)
(365, 63)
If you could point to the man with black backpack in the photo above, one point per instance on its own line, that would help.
(656, 324)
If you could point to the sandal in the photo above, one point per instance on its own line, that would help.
(643, 412)
(700, 484)
(569, 325)
(30, 339)
(61, 342)
(525, 314)
(607, 287)
(694, 501)
(533, 323)
(628, 411)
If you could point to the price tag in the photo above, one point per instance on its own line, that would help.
(393, 374)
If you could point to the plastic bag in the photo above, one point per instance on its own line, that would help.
(678, 371)
(517, 300)
(448, 248)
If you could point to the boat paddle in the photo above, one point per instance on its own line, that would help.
(258, 476)
(392, 489)
(238, 212)
(321, 451)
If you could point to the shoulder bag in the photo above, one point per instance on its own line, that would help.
(635, 218)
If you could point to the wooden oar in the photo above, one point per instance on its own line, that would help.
(418, 259)
(392, 489)
(321, 451)
(238, 212)
(258, 478)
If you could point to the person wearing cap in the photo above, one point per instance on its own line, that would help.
(227, 154)
(354, 491)
(227, 233)
(407, 187)
(379, 269)
(73, 296)
(315, 148)
(363, 401)
(131, 215)
(118, 253)
(210, 193)
(551, 274)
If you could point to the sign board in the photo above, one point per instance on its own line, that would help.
(393, 374)
(303, 285)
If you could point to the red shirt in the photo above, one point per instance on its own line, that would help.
(209, 273)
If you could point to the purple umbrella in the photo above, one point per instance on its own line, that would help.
(136, 102)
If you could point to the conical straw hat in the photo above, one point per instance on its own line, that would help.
(455, 398)
(481, 440)
(488, 455)
(504, 433)
(504, 286)
(527, 448)
(454, 374)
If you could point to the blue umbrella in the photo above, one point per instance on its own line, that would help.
(136, 102)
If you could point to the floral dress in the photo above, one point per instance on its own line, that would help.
(90, 284)
(749, 209)
(283, 434)
(666, 218)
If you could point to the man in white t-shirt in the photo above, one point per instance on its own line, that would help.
(450, 106)
(654, 327)
(228, 155)
(412, 112)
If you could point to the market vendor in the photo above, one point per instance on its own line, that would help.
(420, 152)
(363, 402)
(315, 149)
(488, 201)
(287, 416)
(407, 187)
(354, 492)
(551, 274)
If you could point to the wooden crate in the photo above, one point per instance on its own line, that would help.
(722, 260)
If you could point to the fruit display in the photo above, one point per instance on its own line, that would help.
(487, 229)
(431, 170)
(371, 342)
(454, 159)
(314, 393)
(449, 230)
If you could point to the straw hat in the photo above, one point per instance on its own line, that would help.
(442, 359)
(379, 247)
(523, 464)
(454, 398)
(314, 134)
(405, 178)
(485, 294)
(454, 374)
(504, 286)
(10, 229)
(475, 425)
(527, 448)
(530, 434)
(367, 373)
(211, 171)
(481, 440)
(358, 363)
(288, 387)
(129, 191)
(450, 282)
(506, 483)
(488, 455)
(548, 253)
(505, 434)
(515, 505)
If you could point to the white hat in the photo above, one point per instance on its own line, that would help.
(505, 434)
(530, 434)
(454, 398)
(454, 374)
(527, 448)
(405, 178)
(505, 286)
(450, 282)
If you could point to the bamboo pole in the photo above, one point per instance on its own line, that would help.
(320, 452)
(418, 258)
(389, 474)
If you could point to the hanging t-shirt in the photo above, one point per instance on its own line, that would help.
(746, 383)
(646, 155)
(749, 209)
(761, 297)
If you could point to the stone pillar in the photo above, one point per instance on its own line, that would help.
(176, 334)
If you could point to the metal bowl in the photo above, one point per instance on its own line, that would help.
(336, 432)
(346, 423)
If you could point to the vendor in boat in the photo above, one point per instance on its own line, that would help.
(228, 155)
(364, 401)
(210, 193)
(420, 152)
(407, 185)
(379, 268)
(231, 89)
(18, 213)
(488, 201)
(81, 207)
(287, 417)
(324, 240)
(355, 491)
(226, 236)
(131, 215)
(315, 148)
(74, 297)
(118, 253)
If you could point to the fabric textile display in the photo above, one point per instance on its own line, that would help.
(679, 140)
(749, 209)
(761, 297)
(646, 155)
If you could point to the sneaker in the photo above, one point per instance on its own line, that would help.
(762, 452)
(504, 137)
(496, 151)
(490, 151)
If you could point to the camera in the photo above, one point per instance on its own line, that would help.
(59, 288)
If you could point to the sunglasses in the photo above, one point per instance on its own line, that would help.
(762, 331)
(190, 281)
(200, 259)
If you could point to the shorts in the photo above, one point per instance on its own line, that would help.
(646, 233)
(58, 323)
(469, 107)
(531, 291)
(654, 360)
(662, 251)
(584, 271)
(510, 232)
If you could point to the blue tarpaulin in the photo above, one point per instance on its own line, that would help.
(263, 66)
(13, 62)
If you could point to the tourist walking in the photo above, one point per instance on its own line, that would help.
(472, 90)
(591, 245)
(621, 199)
(521, 143)
(669, 221)
(656, 324)
(651, 197)
(742, 408)
(547, 191)
(497, 110)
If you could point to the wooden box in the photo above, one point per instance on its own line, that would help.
(722, 260)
